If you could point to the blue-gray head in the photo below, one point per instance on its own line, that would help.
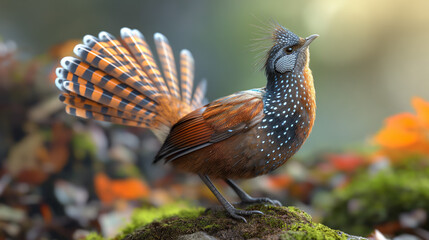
(289, 52)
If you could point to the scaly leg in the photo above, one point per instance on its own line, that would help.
(246, 199)
(235, 213)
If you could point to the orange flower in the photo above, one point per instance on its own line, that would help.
(279, 182)
(109, 190)
(346, 162)
(406, 133)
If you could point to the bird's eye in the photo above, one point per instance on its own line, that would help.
(289, 50)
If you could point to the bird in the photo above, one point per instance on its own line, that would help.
(243, 135)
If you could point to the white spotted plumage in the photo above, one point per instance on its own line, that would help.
(283, 107)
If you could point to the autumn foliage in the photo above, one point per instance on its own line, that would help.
(406, 134)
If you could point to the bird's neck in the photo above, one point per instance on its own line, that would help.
(291, 93)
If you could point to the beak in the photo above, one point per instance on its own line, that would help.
(308, 40)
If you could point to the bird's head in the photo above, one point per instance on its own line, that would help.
(289, 52)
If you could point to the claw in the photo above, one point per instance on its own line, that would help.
(238, 217)
(260, 200)
(270, 201)
(246, 199)
(235, 213)
(277, 203)
(247, 213)
(232, 211)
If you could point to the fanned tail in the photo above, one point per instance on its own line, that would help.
(119, 81)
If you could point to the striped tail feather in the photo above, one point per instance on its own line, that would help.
(113, 50)
(118, 71)
(83, 113)
(85, 108)
(79, 72)
(186, 75)
(97, 94)
(84, 103)
(118, 81)
(167, 62)
(198, 98)
(138, 46)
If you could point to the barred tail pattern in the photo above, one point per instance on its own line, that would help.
(118, 81)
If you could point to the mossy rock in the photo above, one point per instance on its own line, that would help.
(285, 223)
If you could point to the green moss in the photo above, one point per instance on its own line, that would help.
(299, 212)
(144, 216)
(314, 231)
(212, 227)
(372, 200)
(288, 222)
(94, 236)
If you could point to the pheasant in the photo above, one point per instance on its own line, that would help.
(243, 135)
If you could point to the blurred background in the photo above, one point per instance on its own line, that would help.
(62, 176)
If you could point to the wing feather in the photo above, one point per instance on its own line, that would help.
(213, 123)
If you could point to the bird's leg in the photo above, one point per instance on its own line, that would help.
(246, 198)
(235, 213)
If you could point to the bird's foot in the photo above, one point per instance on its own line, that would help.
(246, 199)
(232, 211)
(251, 200)
(238, 214)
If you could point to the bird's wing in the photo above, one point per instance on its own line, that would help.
(213, 123)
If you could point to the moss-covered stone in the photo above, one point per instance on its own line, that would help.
(315, 231)
(146, 215)
(371, 200)
(277, 222)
